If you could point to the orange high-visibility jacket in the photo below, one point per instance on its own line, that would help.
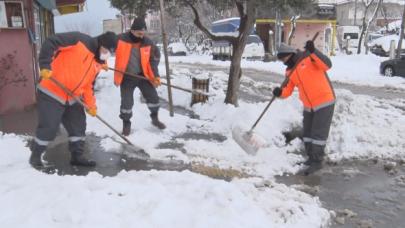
(71, 57)
(309, 75)
(150, 57)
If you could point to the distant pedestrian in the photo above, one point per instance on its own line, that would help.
(137, 54)
(307, 72)
(74, 59)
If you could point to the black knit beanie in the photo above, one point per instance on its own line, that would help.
(138, 24)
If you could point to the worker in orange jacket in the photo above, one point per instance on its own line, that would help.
(136, 54)
(307, 71)
(74, 59)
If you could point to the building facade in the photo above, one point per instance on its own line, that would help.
(24, 25)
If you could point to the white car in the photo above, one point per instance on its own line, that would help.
(177, 49)
(254, 49)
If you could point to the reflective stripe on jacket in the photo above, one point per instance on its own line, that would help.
(309, 75)
(76, 68)
(150, 57)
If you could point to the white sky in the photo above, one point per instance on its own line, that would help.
(91, 18)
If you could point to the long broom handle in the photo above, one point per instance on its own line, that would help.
(282, 86)
(163, 83)
(66, 90)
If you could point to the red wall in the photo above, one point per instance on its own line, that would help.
(17, 90)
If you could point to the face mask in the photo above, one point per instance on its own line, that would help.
(105, 56)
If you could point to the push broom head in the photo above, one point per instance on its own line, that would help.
(248, 140)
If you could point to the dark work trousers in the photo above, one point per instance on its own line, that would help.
(316, 131)
(148, 91)
(50, 114)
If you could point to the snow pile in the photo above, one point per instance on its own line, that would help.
(365, 140)
(366, 128)
(144, 198)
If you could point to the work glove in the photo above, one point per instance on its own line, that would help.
(277, 91)
(104, 66)
(45, 74)
(310, 46)
(156, 82)
(92, 111)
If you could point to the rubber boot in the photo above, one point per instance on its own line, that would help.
(126, 127)
(36, 155)
(156, 122)
(315, 161)
(77, 157)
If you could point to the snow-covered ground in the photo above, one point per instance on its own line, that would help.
(355, 69)
(363, 127)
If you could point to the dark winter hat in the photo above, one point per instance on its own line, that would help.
(108, 40)
(139, 24)
(284, 50)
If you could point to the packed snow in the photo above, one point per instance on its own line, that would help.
(363, 127)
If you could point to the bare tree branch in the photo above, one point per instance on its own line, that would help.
(198, 23)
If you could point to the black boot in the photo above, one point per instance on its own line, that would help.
(36, 155)
(126, 127)
(315, 161)
(156, 122)
(77, 157)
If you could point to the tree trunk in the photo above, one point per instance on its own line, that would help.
(293, 28)
(377, 8)
(363, 25)
(235, 74)
(247, 21)
(401, 35)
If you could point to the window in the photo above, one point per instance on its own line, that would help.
(11, 15)
(351, 35)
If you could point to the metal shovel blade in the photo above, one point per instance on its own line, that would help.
(247, 140)
(135, 152)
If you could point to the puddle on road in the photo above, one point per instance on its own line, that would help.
(361, 192)
(108, 163)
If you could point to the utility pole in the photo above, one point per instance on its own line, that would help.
(164, 37)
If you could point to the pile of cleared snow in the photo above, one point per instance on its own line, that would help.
(364, 127)
(215, 117)
(144, 198)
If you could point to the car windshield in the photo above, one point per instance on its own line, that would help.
(253, 39)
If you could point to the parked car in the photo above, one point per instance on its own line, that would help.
(393, 67)
(381, 46)
(177, 49)
(222, 49)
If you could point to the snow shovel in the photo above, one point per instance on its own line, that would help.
(193, 91)
(129, 146)
(249, 141)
